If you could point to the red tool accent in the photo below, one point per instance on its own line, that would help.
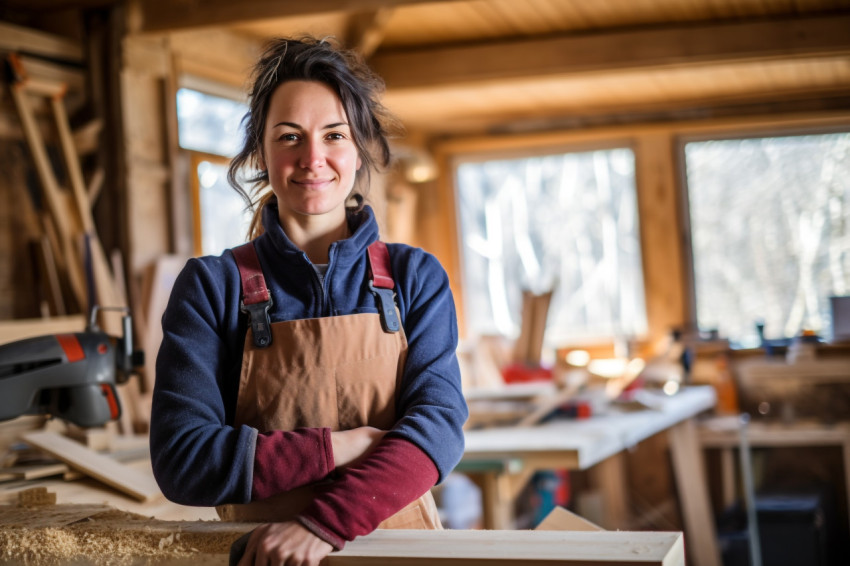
(254, 289)
(108, 392)
(71, 347)
(524, 373)
(379, 259)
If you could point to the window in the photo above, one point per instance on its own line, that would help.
(224, 220)
(770, 230)
(208, 126)
(209, 123)
(566, 222)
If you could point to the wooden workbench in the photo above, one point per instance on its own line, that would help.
(724, 433)
(581, 444)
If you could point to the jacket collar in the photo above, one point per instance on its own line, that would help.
(364, 231)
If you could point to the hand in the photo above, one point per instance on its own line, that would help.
(284, 544)
(349, 446)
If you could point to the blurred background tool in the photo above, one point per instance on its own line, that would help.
(70, 376)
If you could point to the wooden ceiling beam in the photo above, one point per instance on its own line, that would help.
(26, 40)
(366, 30)
(782, 102)
(615, 51)
(171, 15)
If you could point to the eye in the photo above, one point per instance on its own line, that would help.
(336, 136)
(288, 137)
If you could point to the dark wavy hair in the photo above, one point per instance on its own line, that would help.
(359, 89)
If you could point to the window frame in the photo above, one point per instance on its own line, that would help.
(661, 193)
(193, 157)
(755, 131)
(526, 153)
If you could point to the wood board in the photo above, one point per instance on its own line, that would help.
(210, 542)
(123, 478)
(13, 330)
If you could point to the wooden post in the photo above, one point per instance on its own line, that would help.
(692, 484)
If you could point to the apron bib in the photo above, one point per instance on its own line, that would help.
(339, 372)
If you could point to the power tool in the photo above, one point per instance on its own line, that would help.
(69, 376)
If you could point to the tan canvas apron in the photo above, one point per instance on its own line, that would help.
(340, 372)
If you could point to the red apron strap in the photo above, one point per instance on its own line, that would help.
(254, 288)
(256, 298)
(381, 284)
(379, 261)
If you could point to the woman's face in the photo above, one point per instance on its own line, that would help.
(308, 150)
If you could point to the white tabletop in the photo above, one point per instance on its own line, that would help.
(585, 442)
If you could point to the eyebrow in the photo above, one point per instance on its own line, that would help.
(298, 127)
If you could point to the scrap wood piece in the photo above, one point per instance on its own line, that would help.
(32, 472)
(134, 483)
(549, 403)
(36, 496)
(560, 519)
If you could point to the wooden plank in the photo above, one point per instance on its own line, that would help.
(106, 294)
(135, 484)
(51, 191)
(723, 432)
(381, 548)
(560, 519)
(158, 280)
(33, 472)
(402, 548)
(17, 38)
(653, 48)
(12, 330)
(162, 15)
(547, 404)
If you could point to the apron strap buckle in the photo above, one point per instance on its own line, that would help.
(258, 315)
(386, 304)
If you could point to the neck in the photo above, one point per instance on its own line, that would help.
(315, 234)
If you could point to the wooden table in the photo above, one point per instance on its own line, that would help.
(581, 444)
(724, 433)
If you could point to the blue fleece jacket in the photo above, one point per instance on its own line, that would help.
(199, 457)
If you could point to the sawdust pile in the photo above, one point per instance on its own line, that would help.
(112, 538)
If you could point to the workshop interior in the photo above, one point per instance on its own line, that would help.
(643, 210)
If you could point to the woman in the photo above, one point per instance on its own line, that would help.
(308, 379)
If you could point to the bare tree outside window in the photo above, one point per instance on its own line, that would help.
(566, 222)
(769, 226)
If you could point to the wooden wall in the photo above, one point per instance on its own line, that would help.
(154, 210)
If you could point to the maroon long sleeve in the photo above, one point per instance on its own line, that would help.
(396, 473)
(286, 460)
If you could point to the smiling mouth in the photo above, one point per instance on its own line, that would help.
(311, 182)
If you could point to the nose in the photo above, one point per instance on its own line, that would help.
(312, 154)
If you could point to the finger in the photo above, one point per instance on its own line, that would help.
(239, 551)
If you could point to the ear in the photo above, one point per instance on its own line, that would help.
(359, 163)
(261, 161)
